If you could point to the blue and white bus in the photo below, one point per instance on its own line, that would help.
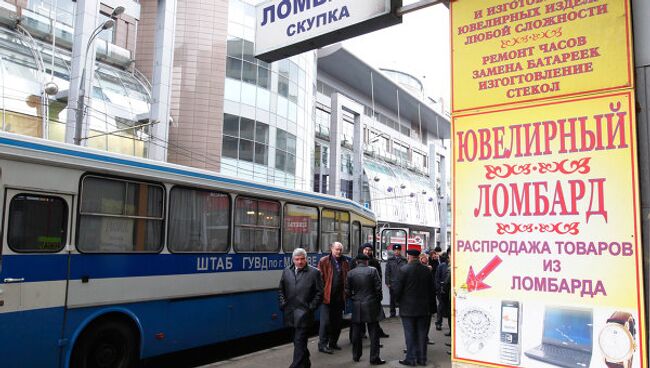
(108, 259)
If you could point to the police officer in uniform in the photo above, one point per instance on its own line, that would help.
(392, 270)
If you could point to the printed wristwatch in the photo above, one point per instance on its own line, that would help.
(616, 340)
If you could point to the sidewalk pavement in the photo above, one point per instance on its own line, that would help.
(280, 356)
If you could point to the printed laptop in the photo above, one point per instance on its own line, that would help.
(567, 340)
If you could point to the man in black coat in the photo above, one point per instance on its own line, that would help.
(368, 250)
(413, 290)
(441, 275)
(300, 294)
(363, 286)
(392, 270)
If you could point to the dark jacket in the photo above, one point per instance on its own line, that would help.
(434, 263)
(441, 275)
(392, 268)
(326, 268)
(414, 289)
(445, 291)
(373, 262)
(300, 295)
(363, 286)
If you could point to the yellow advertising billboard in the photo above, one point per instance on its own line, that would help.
(546, 244)
(515, 51)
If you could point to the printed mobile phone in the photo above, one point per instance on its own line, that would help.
(510, 350)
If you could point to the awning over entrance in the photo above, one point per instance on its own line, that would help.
(398, 196)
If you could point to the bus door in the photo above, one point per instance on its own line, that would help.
(33, 276)
(390, 237)
(387, 239)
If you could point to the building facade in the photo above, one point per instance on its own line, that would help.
(267, 129)
(380, 142)
(46, 51)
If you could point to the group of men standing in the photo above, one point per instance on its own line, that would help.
(412, 288)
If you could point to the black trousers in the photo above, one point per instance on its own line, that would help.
(393, 302)
(442, 305)
(415, 334)
(331, 319)
(373, 332)
(300, 351)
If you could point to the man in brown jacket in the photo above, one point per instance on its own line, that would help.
(334, 269)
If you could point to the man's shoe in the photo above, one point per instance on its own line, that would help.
(325, 349)
(356, 359)
(377, 362)
(383, 335)
(422, 363)
(406, 362)
(447, 333)
(438, 327)
(335, 347)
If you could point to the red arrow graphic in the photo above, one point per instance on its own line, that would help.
(475, 282)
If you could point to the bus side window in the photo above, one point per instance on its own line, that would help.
(300, 228)
(257, 225)
(355, 238)
(120, 216)
(37, 223)
(199, 221)
(335, 228)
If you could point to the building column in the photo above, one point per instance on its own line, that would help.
(86, 12)
(338, 104)
(438, 171)
(162, 78)
(444, 201)
(357, 158)
(336, 115)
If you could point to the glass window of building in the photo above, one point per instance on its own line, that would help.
(322, 124)
(245, 139)
(346, 188)
(107, 34)
(346, 163)
(401, 151)
(419, 159)
(285, 151)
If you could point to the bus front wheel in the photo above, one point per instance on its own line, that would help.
(108, 344)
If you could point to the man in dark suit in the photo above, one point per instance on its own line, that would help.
(392, 270)
(413, 290)
(300, 294)
(363, 286)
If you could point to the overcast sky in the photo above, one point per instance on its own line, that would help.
(419, 46)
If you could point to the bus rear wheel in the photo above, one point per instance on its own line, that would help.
(109, 344)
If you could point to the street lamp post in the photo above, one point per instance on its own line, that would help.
(79, 114)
